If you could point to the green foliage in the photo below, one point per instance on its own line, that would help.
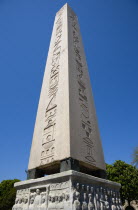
(7, 194)
(135, 157)
(127, 176)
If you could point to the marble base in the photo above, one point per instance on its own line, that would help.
(67, 190)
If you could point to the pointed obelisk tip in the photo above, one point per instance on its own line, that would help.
(67, 6)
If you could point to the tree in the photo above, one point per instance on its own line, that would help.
(135, 157)
(127, 176)
(7, 194)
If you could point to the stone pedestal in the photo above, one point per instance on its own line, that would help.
(67, 190)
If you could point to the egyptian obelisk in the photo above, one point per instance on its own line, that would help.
(66, 144)
(66, 124)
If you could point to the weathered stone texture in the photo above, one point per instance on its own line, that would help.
(66, 124)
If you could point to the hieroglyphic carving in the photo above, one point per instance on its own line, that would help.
(87, 146)
(47, 153)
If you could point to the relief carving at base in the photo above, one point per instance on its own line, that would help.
(67, 196)
(87, 197)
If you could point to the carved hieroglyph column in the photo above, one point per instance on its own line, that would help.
(66, 124)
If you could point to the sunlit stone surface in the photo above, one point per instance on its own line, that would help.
(68, 190)
(66, 124)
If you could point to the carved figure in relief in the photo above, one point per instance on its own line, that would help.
(82, 187)
(117, 204)
(106, 203)
(33, 194)
(76, 205)
(114, 194)
(25, 205)
(56, 200)
(66, 197)
(60, 202)
(90, 204)
(113, 207)
(31, 205)
(37, 200)
(88, 189)
(20, 205)
(52, 204)
(92, 190)
(76, 189)
(77, 186)
(108, 192)
(81, 192)
(49, 201)
(84, 203)
(97, 202)
(67, 201)
(120, 204)
(63, 197)
(101, 199)
(15, 207)
(43, 203)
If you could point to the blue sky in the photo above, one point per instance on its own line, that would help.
(110, 35)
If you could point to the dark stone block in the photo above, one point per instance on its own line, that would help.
(35, 173)
(69, 164)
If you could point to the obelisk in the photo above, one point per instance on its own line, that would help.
(66, 126)
(66, 139)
